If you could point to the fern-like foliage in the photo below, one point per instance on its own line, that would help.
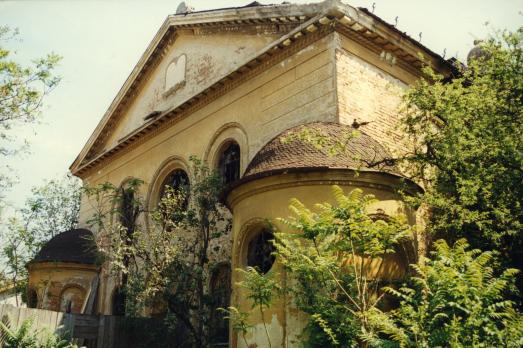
(455, 301)
(27, 337)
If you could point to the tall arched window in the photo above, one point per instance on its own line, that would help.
(229, 163)
(127, 209)
(220, 287)
(178, 181)
(32, 298)
(118, 302)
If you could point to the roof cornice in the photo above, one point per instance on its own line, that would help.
(330, 15)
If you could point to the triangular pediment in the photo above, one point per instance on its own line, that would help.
(188, 54)
(193, 56)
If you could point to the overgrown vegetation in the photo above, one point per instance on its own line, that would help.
(28, 337)
(468, 156)
(469, 153)
(164, 257)
(334, 264)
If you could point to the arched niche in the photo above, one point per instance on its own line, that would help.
(72, 299)
(175, 74)
(230, 133)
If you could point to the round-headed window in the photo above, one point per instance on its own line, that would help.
(260, 251)
(229, 163)
(178, 181)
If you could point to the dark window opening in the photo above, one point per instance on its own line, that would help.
(127, 210)
(220, 287)
(118, 302)
(259, 252)
(32, 299)
(178, 181)
(229, 164)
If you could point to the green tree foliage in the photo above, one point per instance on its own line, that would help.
(22, 90)
(469, 153)
(53, 208)
(166, 261)
(335, 260)
(454, 300)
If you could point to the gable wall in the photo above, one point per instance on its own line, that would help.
(209, 58)
(298, 90)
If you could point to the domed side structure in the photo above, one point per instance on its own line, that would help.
(61, 274)
(76, 246)
(287, 168)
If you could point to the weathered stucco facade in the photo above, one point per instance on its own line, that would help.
(244, 76)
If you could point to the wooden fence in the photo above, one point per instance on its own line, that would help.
(93, 331)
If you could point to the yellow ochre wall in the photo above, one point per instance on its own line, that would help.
(51, 279)
(333, 79)
(268, 198)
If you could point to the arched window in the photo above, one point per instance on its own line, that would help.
(118, 302)
(127, 209)
(178, 181)
(72, 300)
(32, 298)
(220, 287)
(259, 251)
(229, 163)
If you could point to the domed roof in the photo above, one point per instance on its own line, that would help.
(288, 151)
(75, 245)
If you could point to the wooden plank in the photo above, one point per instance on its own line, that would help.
(101, 332)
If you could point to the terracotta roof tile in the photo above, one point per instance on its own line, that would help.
(361, 152)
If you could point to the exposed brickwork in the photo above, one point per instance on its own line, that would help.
(368, 94)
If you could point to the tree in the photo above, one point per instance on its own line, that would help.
(166, 263)
(469, 149)
(335, 260)
(22, 90)
(53, 208)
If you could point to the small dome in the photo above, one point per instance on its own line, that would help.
(360, 153)
(75, 245)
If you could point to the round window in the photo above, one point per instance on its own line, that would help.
(259, 252)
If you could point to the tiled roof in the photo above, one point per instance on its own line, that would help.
(341, 148)
(75, 245)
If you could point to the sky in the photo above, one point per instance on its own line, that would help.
(101, 41)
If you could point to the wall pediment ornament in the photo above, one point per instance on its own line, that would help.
(175, 75)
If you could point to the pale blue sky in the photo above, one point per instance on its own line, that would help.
(101, 41)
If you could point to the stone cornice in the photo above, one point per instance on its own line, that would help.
(356, 24)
